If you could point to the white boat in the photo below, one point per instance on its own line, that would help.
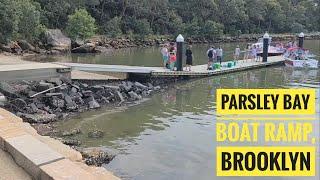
(299, 58)
(273, 49)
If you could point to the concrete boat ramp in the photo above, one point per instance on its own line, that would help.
(76, 71)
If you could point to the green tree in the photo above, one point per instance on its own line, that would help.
(19, 19)
(212, 29)
(29, 26)
(113, 27)
(80, 25)
(54, 13)
(231, 14)
(193, 29)
(9, 20)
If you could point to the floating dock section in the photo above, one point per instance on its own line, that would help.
(197, 71)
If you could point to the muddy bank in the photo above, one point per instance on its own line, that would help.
(42, 103)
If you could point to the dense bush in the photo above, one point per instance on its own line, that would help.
(201, 18)
(19, 19)
(80, 25)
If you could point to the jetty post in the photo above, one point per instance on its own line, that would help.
(301, 39)
(266, 38)
(180, 41)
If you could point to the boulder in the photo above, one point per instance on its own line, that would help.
(96, 134)
(86, 48)
(5, 48)
(141, 86)
(25, 46)
(101, 49)
(8, 90)
(32, 108)
(15, 48)
(87, 93)
(38, 118)
(42, 86)
(57, 102)
(97, 157)
(71, 142)
(70, 104)
(19, 103)
(77, 43)
(71, 132)
(134, 96)
(96, 88)
(157, 88)
(55, 81)
(93, 104)
(3, 99)
(120, 96)
(57, 41)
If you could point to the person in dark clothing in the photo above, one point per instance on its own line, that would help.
(189, 58)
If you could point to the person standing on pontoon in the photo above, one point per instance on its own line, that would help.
(247, 52)
(165, 55)
(219, 54)
(210, 54)
(189, 59)
(237, 53)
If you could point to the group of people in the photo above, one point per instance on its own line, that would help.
(251, 52)
(214, 55)
(292, 44)
(169, 56)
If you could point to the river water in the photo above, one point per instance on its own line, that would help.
(172, 134)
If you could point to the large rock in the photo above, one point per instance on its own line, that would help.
(25, 46)
(101, 49)
(97, 157)
(38, 118)
(57, 41)
(96, 134)
(8, 90)
(5, 48)
(86, 48)
(3, 99)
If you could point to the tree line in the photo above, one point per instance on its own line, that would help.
(27, 19)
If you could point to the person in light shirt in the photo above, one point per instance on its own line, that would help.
(219, 54)
(165, 55)
(237, 53)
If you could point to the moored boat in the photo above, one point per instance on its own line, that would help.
(300, 58)
(274, 49)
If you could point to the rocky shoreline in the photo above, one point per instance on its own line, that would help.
(42, 103)
(54, 42)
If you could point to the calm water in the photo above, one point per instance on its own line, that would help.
(152, 56)
(172, 134)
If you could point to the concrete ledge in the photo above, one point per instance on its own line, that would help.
(43, 157)
(64, 169)
(30, 153)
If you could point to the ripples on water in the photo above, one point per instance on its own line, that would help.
(172, 135)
